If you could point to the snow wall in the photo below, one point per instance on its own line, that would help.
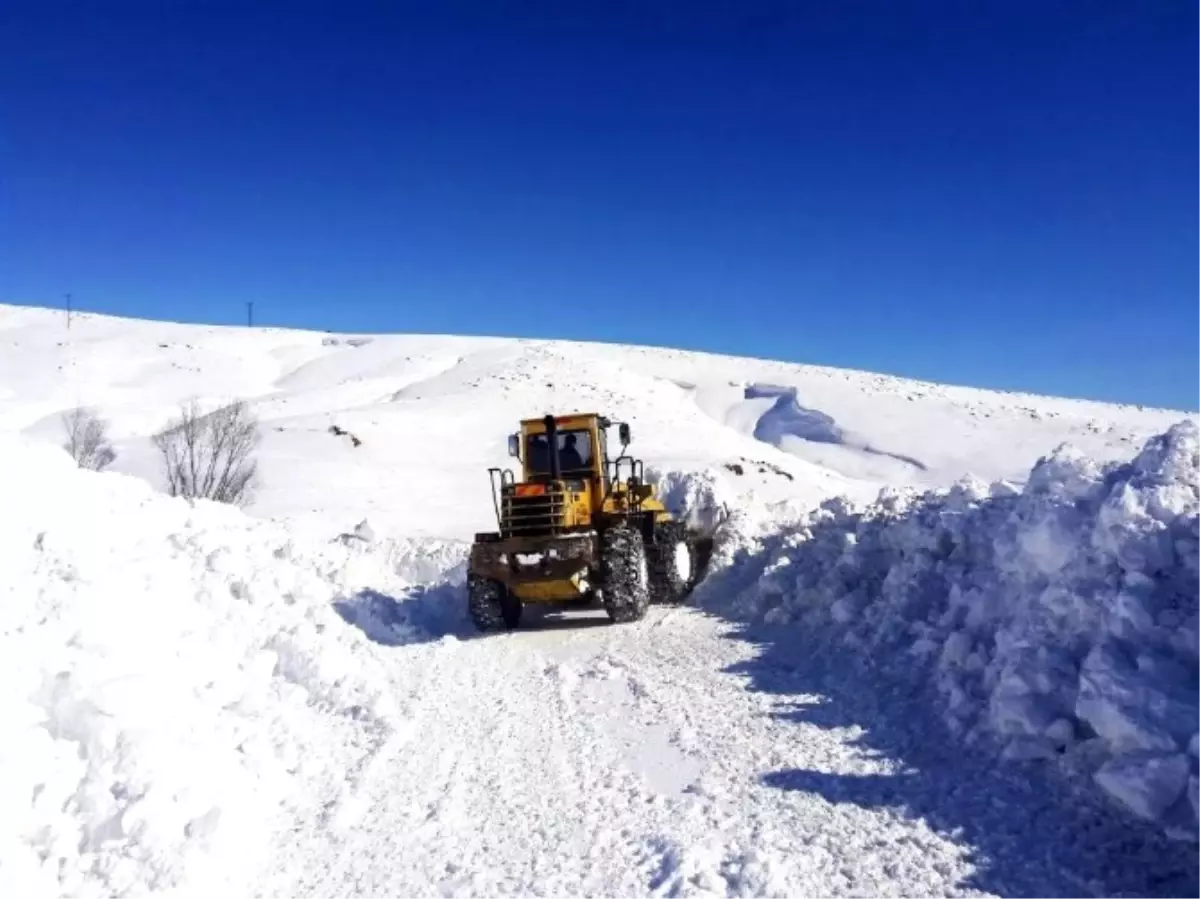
(1055, 621)
(180, 677)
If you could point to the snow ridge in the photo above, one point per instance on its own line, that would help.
(1055, 622)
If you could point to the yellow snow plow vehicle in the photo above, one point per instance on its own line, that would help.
(578, 528)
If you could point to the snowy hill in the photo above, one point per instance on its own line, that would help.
(986, 689)
(432, 414)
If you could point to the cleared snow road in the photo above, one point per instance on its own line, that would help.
(665, 758)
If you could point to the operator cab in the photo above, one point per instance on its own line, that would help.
(577, 443)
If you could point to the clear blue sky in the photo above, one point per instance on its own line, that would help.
(997, 193)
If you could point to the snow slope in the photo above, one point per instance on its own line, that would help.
(433, 414)
(278, 703)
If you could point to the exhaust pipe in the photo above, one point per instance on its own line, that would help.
(552, 446)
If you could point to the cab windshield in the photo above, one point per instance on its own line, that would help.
(574, 448)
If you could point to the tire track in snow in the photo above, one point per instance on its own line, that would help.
(739, 837)
(605, 760)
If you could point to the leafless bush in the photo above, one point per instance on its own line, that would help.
(87, 439)
(210, 456)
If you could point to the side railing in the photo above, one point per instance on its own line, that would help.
(500, 478)
(635, 477)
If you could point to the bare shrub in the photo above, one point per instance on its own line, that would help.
(87, 439)
(210, 456)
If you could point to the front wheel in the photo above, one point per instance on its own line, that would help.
(672, 563)
(624, 574)
(491, 605)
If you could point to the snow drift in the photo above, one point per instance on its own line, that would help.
(173, 673)
(1058, 621)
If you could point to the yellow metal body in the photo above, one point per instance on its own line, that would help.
(576, 503)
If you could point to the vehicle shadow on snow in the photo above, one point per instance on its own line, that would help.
(1027, 833)
(428, 613)
(424, 614)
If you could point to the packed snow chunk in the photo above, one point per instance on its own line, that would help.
(1185, 641)
(1146, 783)
(1065, 474)
(174, 683)
(1061, 619)
(699, 498)
(1019, 712)
(956, 649)
(1023, 749)
(1131, 709)
(1049, 546)
(1170, 458)
(1061, 732)
(844, 610)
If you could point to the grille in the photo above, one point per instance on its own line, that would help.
(532, 516)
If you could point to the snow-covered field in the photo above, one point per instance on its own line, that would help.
(982, 682)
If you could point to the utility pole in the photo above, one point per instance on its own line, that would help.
(68, 312)
(250, 314)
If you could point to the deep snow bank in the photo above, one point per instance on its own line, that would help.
(709, 499)
(172, 674)
(1059, 621)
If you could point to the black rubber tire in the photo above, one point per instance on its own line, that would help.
(667, 583)
(624, 574)
(699, 563)
(491, 606)
(702, 549)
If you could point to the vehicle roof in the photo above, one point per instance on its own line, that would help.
(574, 419)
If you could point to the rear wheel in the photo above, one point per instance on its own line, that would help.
(701, 548)
(492, 606)
(624, 574)
(672, 563)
